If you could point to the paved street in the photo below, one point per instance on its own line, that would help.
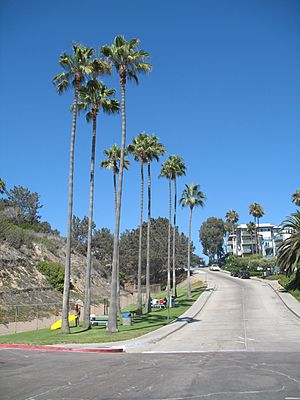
(243, 345)
(241, 315)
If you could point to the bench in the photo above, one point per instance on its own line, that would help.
(158, 305)
(97, 320)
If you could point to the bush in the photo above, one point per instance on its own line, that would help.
(13, 234)
(54, 273)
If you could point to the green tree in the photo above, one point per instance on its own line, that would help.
(23, 205)
(128, 62)
(77, 67)
(288, 254)
(2, 186)
(257, 212)
(112, 161)
(212, 233)
(94, 97)
(138, 149)
(296, 198)
(191, 197)
(129, 249)
(153, 152)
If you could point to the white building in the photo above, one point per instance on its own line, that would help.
(242, 243)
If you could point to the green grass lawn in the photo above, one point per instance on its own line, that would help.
(98, 334)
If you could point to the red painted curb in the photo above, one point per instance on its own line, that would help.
(65, 349)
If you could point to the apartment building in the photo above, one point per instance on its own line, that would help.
(244, 243)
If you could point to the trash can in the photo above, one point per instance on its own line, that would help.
(126, 318)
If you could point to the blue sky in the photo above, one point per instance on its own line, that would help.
(224, 94)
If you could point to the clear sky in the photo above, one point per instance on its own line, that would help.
(224, 94)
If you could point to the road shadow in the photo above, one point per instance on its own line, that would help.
(189, 320)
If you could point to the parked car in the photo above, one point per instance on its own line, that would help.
(235, 273)
(214, 267)
(244, 275)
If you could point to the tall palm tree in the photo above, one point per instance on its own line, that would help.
(173, 168)
(112, 161)
(191, 197)
(257, 211)
(178, 169)
(288, 255)
(232, 218)
(296, 198)
(167, 173)
(128, 61)
(153, 152)
(138, 149)
(251, 228)
(94, 97)
(76, 67)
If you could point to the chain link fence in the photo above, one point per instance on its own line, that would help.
(15, 318)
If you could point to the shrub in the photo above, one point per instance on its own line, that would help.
(13, 234)
(54, 273)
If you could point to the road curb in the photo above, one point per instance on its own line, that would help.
(64, 349)
(287, 306)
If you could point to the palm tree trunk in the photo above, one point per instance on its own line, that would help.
(174, 239)
(189, 291)
(66, 293)
(139, 297)
(148, 296)
(112, 317)
(169, 244)
(258, 241)
(256, 238)
(118, 262)
(87, 296)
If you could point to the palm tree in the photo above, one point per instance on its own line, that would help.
(112, 161)
(232, 218)
(167, 173)
(153, 152)
(192, 197)
(251, 228)
(138, 149)
(288, 255)
(296, 197)
(177, 168)
(128, 61)
(257, 211)
(94, 97)
(76, 67)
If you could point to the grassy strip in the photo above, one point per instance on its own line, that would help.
(141, 325)
(290, 283)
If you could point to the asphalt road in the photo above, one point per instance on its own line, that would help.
(241, 315)
(218, 376)
(243, 345)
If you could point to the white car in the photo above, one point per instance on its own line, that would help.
(214, 267)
